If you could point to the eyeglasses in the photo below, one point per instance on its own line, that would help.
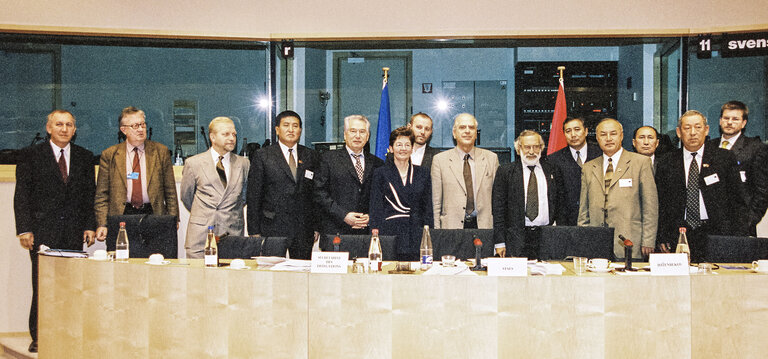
(136, 126)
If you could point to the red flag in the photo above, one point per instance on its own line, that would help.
(556, 135)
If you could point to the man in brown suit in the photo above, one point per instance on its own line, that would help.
(135, 177)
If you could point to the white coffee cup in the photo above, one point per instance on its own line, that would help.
(99, 255)
(599, 263)
(156, 258)
(761, 265)
(237, 264)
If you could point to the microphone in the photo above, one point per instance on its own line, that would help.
(478, 245)
(336, 243)
(627, 252)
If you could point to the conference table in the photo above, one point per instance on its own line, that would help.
(95, 309)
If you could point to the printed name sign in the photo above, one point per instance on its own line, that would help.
(329, 262)
(507, 267)
(669, 264)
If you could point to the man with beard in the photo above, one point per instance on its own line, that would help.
(618, 190)
(645, 140)
(213, 188)
(421, 125)
(526, 195)
(570, 160)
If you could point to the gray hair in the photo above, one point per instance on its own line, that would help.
(357, 117)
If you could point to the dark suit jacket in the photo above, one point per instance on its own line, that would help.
(751, 158)
(509, 203)
(571, 172)
(56, 213)
(278, 206)
(401, 210)
(338, 190)
(111, 187)
(723, 199)
(426, 162)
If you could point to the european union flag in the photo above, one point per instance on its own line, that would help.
(384, 127)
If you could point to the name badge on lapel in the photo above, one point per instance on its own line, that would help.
(743, 175)
(711, 179)
(625, 182)
(132, 176)
(309, 174)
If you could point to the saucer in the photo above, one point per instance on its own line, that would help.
(158, 264)
(758, 271)
(241, 268)
(599, 270)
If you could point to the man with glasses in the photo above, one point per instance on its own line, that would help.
(751, 155)
(343, 182)
(136, 176)
(618, 191)
(527, 194)
(462, 180)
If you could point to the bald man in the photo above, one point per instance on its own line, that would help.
(618, 190)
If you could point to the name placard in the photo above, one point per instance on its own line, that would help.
(329, 262)
(669, 264)
(507, 267)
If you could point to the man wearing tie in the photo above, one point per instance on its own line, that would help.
(701, 189)
(570, 160)
(751, 155)
(213, 188)
(618, 190)
(136, 176)
(462, 180)
(526, 195)
(343, 181)
(53, 202)
(280, 189)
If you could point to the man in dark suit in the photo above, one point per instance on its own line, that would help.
(280, 189)
(700, 188)
(526, 195)
(53, 203)
(135, 176)
(750, 157)
(421, 125)
(343, 182)
(569, 160)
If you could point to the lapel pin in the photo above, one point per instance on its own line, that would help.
(705, 165)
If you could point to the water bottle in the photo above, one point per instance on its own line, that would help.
(425, 249)
(121, 244)
(374, 251)
(211, 249)
(682, 244)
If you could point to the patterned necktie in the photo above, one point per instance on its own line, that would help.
(578, 159)
(222, 172)
(137, 197)
(608, 174)
(358, 166)
(292, 163)
(724, 144)
(470, 206)
(692, 214)
(532, 197)
(63, 166)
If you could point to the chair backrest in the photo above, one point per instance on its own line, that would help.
(147, 234)
(357, 245)
(460, 243)
(232, 247)
(559, 242)
(736, 249)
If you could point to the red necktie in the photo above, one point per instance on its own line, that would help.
(63, 166)
(137, 198)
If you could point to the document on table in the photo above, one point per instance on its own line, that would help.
(293, 265)
(459, 269)
(67, 253)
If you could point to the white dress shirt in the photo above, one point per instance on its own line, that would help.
(417, 156)
(687, 163)
(541, 180)
(472, 168)
(352, 158)
(224, 161)
(129, 169)
(285, 148)
(614, 159)
(731, 141)
(57, 153)
(582, 154)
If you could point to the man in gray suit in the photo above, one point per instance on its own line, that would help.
(213, 187)
(618, 190)
(462, 180)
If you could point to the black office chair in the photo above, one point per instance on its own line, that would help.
(460, 243)
(147, 234)
(231, 247)
(357, 245)
(736, 249)
(559, 242)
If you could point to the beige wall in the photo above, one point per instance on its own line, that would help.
(259, 19)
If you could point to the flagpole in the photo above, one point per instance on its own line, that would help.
(386, 73)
